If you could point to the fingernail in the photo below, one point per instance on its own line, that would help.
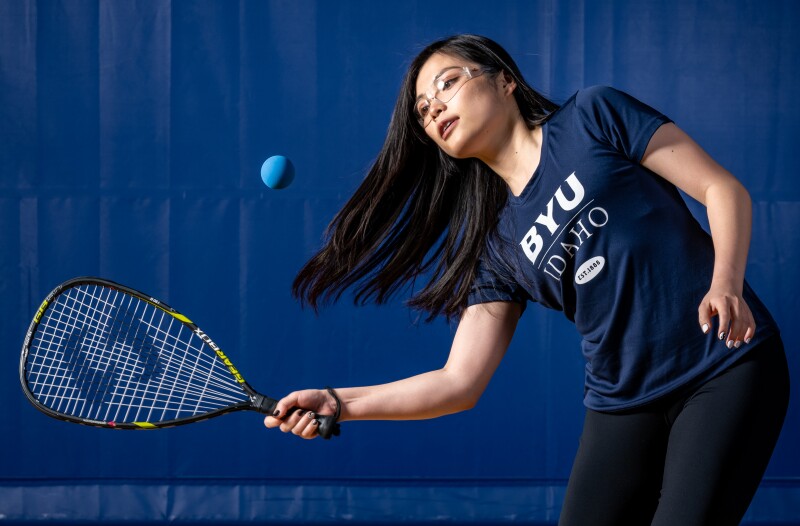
(310, 415)
(730, 344)
(276, 412)
(315, 423)
(737, 344)
(705, 328)
(747, 340)
(722, 335)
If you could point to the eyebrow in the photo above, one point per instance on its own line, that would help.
(441, 72)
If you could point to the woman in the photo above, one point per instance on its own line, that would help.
(502, 198)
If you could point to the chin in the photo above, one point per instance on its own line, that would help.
(454, 149)
(460, 146)
(458, 153)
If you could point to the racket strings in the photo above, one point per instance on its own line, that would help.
(101, 354)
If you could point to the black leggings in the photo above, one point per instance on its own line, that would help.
(689, 460)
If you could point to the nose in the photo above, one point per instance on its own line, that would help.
(437, 107)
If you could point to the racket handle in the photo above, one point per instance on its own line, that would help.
(328, 427)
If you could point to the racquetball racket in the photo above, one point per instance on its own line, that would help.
(102, 354)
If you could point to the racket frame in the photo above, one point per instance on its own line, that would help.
(257, 402)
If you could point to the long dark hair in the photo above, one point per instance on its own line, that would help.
(418, 212)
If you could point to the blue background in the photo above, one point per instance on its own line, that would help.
(131, 137)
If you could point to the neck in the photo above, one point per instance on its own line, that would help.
(516, 155)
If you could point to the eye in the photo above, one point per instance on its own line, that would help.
(447, 83)
(422, 108)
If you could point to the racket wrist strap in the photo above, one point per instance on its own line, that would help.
(336, 399)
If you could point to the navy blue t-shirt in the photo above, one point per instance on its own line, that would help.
(614, 246)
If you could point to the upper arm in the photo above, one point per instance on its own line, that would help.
(483, 335)
(673, 155)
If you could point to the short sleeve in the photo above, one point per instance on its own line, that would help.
(626, 123)
(489, 286)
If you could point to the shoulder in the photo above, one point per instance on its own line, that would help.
(609, 109)
(594, 98)
(617, 118)
(590, 107)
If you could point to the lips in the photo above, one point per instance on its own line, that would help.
(446, 127)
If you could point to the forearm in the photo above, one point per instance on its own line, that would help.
(481, 340)
(730, 216)
(677, 158)
(428, 395)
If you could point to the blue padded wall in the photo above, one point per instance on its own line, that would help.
(131, 137)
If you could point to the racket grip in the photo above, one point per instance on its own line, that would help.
(328, 427)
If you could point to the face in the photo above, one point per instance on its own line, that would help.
(461, 104)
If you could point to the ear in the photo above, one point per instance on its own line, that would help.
(507, 83)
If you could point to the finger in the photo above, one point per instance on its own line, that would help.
(704, 314)
(731, 340)
(745, 327)
(724, 321)
(285, 404)
(302, 423)
(271, 422)
(734, 335)
(289, 421)
(742, 324)
(312, 430)
(739, 332)
(307, 427)
(751, 331)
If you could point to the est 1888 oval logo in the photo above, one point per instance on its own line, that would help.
(589, 270)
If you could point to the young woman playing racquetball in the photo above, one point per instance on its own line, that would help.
(504, 198)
